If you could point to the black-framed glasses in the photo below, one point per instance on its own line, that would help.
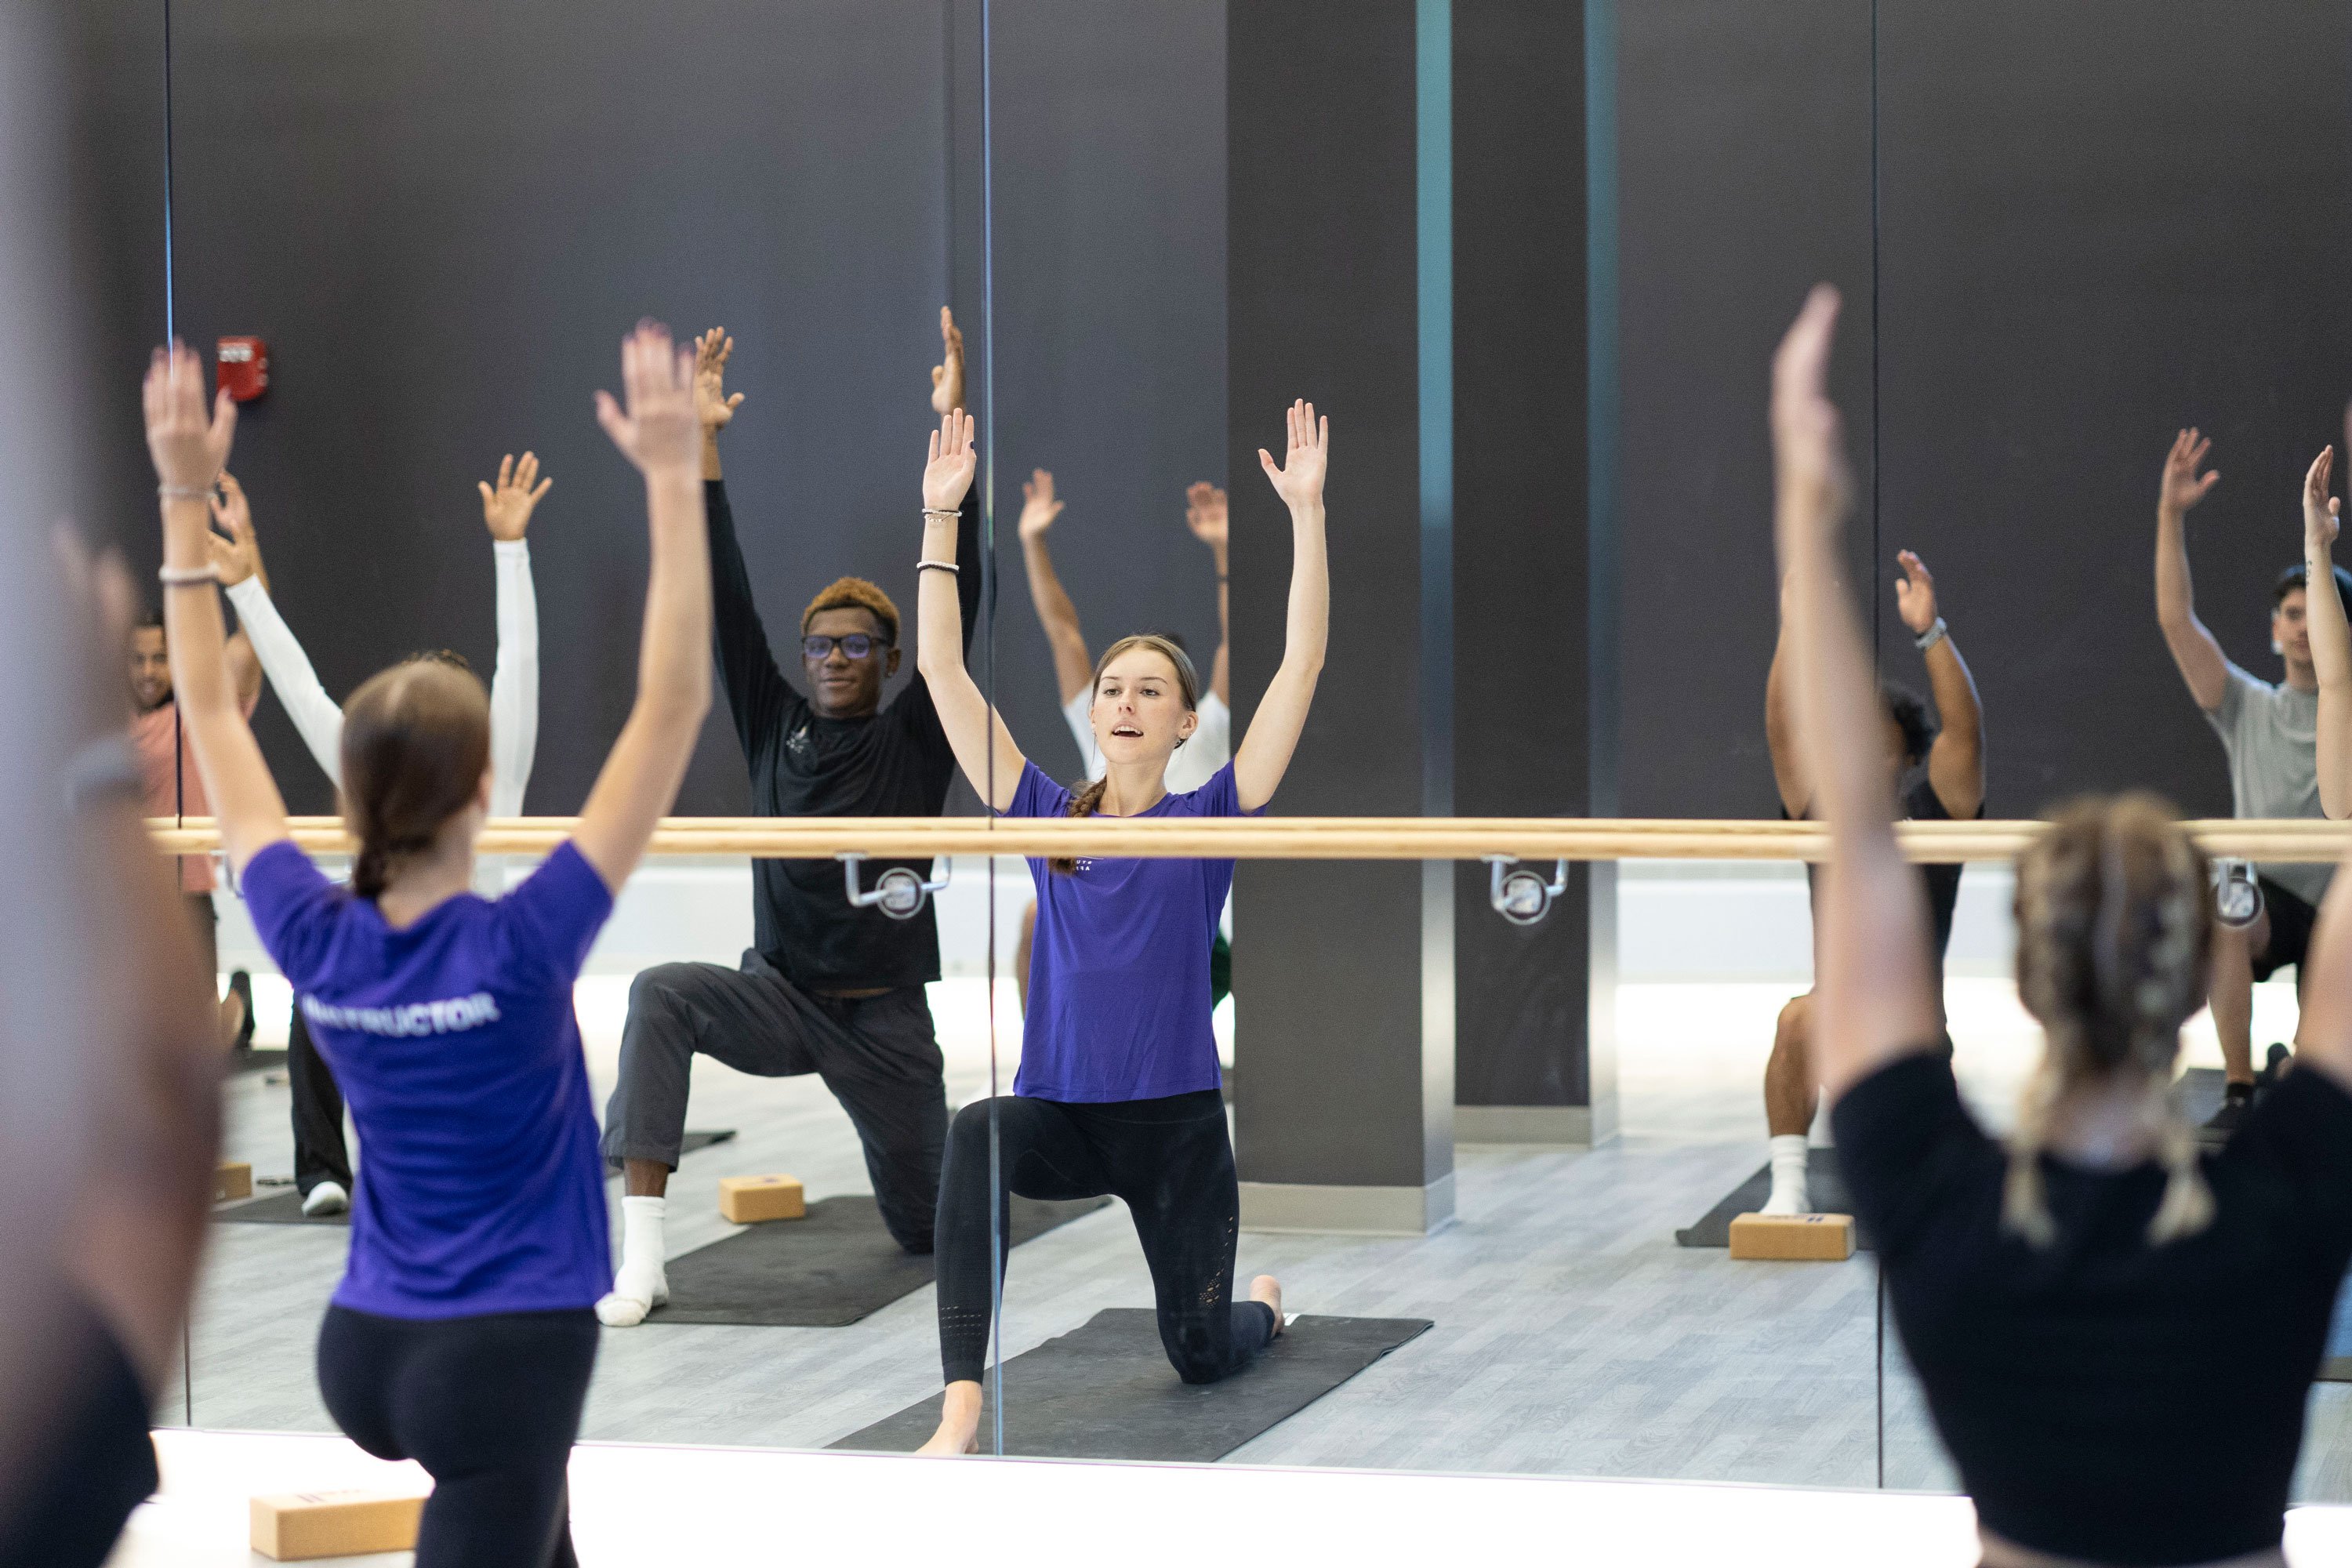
(856, 645)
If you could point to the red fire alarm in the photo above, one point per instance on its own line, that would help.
(244, 368)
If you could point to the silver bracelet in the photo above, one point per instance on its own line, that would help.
(187, 576)
(1931, 636)
(942, 511)
(185, 492)
(922, 566)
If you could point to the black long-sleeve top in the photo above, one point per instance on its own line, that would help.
(893, 762)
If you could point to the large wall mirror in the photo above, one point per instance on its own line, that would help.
(1488, 1125)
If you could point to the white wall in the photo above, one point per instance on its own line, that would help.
(1676, 921)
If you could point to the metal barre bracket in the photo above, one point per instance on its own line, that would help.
(898, 893)
(1522, 897)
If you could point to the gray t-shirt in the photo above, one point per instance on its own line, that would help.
(2271, 733)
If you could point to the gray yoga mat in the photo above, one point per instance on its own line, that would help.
(284, 1206)
(1105, 1391)
(1824, 1185)
(824, 1271)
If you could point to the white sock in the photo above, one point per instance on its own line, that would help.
(1789, 1195)
(641, 1285)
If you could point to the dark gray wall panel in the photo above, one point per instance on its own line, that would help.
(1744, 147)
(1110, 323)
(444, 216)
(2101, 222)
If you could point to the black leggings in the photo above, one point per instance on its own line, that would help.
(1170, 1160)
(94, 1464)
(488, 1406)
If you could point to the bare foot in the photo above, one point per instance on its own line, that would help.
(1265, 1287)
(959, 1430)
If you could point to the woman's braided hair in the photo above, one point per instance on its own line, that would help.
(2115, 946)
(1083, 800)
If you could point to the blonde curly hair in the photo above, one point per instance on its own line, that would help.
(854, 593)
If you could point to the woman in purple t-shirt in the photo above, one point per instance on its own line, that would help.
(464, 1331)
(1117, 1092)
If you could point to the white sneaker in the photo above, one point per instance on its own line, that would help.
(326, 1198)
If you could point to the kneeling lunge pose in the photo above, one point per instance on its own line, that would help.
(463, 1332)
(1118, 1091)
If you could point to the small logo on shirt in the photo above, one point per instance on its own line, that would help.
(797, 744)
(449, 1018)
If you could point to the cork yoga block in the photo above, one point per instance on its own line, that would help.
(747, 1200)
(1801, 1238)
(232, 1179)
(295, 1526)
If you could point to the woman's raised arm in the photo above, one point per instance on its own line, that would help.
(1264, 753)
(964, 713)
(1874, 992)
(190, 448)
(658, 432)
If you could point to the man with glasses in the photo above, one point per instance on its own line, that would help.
(824, 988)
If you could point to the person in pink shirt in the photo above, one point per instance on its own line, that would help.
(173, 788)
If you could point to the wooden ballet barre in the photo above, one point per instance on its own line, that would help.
(1299, 838)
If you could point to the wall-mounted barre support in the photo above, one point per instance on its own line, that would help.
(898, 893)
(1523, 897)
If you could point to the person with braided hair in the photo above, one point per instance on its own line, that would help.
(2115, 1330)
(1118, 1091)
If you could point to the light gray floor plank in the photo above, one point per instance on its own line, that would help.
(1572, 1335)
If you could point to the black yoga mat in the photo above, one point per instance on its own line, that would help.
(1824, 1185)
(284, 1205)
(824, 1271)
(1105, 1391)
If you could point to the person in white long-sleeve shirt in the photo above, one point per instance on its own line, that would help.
(323, 1170)
(1196, 759)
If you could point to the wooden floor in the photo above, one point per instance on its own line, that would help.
(1572, 1335)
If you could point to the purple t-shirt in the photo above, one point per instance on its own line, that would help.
(1119, 972)
(457, 1049)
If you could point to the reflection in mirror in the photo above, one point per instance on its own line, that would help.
(1495, 1161)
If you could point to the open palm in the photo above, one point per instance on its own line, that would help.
(1299, 480)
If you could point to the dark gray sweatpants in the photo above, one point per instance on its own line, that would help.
(878, 1055)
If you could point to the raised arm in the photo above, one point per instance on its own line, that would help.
(659, 433)
(971, 726)
(2331, 640)
(1263, 755)
(2200, 658)
(1205, 514)
(318, 718)
(1780, 723)
(1873, 998)
(1039, 507)
(514, 680)
(757, 694)
(1956, 761)
(189, 449)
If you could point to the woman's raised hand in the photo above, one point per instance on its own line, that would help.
(1039, 506)
(2322, 512)
(1808, 449)
(507, 507)
(189, 447)
(238, 555)
(1299, 480)
(657, 431)
(949, 473)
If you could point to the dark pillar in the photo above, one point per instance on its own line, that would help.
(1344, 972)
(1535, 589)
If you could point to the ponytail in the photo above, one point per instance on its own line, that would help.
(417, 741)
